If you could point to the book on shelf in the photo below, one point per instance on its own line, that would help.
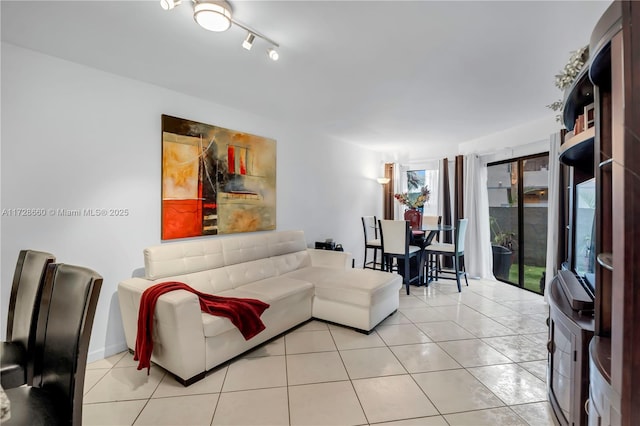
(589, 116)
(579, 124)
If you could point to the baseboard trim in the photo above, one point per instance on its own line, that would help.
(107, 351)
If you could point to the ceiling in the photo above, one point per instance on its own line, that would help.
(394, 76)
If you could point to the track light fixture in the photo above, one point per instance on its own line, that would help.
(215, 15)
(273, 54)
(169, 4)
(248, 41)
(212, 15)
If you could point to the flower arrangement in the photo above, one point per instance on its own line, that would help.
(569, 73)
(572, 68)
(412, 201)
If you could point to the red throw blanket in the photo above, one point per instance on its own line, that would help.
(243, 313)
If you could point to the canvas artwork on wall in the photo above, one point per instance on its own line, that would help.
(215, 180)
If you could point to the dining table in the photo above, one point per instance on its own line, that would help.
(431, 231)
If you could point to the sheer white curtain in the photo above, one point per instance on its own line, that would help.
(478, 255)
(553, 210)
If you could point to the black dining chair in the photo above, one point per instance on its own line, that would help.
(16, 353)
(67, 308)
(396, 237)
(371, 242)
(431, 260)
(455, 251)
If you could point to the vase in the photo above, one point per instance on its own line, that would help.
(414, 216)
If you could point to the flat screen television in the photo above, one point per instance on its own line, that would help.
(584, 246)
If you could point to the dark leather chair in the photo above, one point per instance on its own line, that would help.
(16, 353)
(67, 309)
(396, 238)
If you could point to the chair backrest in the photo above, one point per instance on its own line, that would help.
(415, 219)
(26, 291)
(461, 230)
(395, 236)
(431, 220)
(370, 228)
(67, 309)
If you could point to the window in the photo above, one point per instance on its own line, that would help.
(416, 180)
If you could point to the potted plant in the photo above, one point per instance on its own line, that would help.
(502, 246)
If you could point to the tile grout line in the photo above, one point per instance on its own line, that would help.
(364, 413)
(459, 303)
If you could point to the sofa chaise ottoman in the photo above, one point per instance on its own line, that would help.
(297, 282)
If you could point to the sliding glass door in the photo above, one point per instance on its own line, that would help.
(518, 191)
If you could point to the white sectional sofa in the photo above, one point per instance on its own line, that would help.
(276, 267)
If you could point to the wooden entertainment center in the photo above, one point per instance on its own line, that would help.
(596, 380)
(570, 332)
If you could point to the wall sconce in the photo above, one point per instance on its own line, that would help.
(215, 15)
(383, 180)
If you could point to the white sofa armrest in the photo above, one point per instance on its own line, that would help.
(330, 258)
(178, 334)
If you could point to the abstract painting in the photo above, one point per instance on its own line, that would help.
(215, 180)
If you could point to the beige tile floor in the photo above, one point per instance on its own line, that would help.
(445, 358)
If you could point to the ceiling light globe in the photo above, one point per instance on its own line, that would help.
(212, 15)
(273, 54)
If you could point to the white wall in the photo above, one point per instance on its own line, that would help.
(75, 137)
(529, 138)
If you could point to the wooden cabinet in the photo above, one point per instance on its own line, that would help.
(611, 80)
(615, 352)
(604, 402)
(570, 331)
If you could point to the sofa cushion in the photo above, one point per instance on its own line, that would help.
(179, 258)
(272, 290)
(238, 250)
(249, 272)
(275, 289)
(168, 260)
(315, 274)
(363, 287)
(211, 281)
(284, 242)
(291, 261)
(214, 325)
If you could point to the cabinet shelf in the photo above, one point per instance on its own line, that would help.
(577, 151)
(599, 46)
(600, 351)
(576, 97)
(606, 260)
